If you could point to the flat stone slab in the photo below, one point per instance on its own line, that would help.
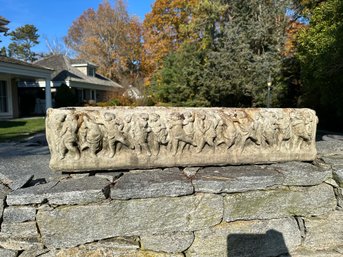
(324, 232)
(94, 138)
(13, 180)
(247, 238)
(302, 173)
(69, 226)
(3, 192)
(8, 253)
(71, 191)
(19, 214)
(272, 204)
(233, 179)
(19, 236)
(170, 242)
(151, 183)
(90, 251)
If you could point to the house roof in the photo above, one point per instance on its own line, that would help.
(81, 62)
(64, 70)
(5, 59)
(16, 67)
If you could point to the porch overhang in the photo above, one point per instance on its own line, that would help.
(23, 70)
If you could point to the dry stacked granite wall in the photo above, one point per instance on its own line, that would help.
(255, 210)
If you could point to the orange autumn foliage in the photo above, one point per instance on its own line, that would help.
(291, 37)
(108, 37)
(164, 30)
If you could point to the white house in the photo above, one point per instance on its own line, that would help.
(80, 75)
(11, 72)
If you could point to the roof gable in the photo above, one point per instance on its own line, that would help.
(64, 70)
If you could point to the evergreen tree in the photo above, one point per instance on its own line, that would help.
(23, 39)
(320, 53)
(246, 52)
(239, 45)
(179, 82)
(3, 51)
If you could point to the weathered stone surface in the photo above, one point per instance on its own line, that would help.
(3, 192)
(339, 195)
(118, 247)
(93, 138)
(146, 184)
(19, 214)
(324, 232)
(302, 173)
(338, 176)
(327, 148)
(75, 225)
(71, 191)
(236, 179)
(34, 252)
(309, 253)
(19, 243)
(247, 239)
(123, 243)
(334, 160)
(8, 253)
(176, 242)
(19, 236)
(297, 201)
(20, 182)
(25, 229)
(111, 176)
(86, 251)
(30, 195)
(13, 180)
(190, 171)
(79, 175)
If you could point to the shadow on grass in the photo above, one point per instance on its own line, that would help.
(14, 130)
(11, 124)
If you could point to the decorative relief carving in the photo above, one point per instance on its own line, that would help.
(93, 138)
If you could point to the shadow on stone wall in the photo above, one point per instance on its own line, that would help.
(257, 245)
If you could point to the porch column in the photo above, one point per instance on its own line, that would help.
(48, 102)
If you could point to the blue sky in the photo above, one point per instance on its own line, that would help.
(53, 18)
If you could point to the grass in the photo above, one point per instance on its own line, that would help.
(18, 128)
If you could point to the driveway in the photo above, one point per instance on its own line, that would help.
(26, 158)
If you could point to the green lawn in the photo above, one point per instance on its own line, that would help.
(19, 128)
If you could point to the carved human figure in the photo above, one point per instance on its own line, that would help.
(188, 127)
(158, 135)
(226, 132)
(93, 135)
(269, 130)
(244, 127)
(301, 128)
(115, 135)
(68, 137)
(284, 130)
(205, 131)
(55, 127)
(177, 134)
(140, 132)
(128, 131)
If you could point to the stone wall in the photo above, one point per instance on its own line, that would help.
(285, 209)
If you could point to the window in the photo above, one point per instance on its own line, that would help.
(91, 71)
(3, 96)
